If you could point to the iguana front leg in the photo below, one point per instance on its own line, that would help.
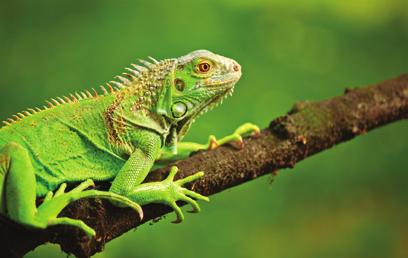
(184, 149)
(128, 181)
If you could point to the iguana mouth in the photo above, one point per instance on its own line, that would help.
(225, 81)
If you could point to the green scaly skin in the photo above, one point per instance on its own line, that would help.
(119, 137)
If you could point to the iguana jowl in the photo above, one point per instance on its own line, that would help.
(118, 136)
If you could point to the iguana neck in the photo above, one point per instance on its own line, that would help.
(142, 104)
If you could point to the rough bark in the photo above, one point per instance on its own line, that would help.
(309, 128)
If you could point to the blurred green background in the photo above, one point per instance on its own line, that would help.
(350, 201)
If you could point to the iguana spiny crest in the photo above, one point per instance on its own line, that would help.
(178, 89)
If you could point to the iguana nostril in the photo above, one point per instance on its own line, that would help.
(236, 67)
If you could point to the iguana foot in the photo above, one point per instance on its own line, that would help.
(169, 192)
(53, 204)
(235, 138)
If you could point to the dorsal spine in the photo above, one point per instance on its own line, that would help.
(133, 75)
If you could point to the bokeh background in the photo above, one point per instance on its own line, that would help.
(350, 201)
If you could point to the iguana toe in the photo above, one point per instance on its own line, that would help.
(235, 139)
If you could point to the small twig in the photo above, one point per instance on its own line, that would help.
(307, 129)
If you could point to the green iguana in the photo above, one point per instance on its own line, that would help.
(118, 136)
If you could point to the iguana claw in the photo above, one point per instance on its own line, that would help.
(168, 192)
(183, 194)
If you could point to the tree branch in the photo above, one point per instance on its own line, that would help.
(309, 128)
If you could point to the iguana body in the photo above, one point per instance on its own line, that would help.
(117, 137)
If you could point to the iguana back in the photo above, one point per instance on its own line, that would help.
(67, 143)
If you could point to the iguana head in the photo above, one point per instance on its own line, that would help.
(199, 82)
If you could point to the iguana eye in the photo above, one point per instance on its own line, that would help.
(204, 67)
